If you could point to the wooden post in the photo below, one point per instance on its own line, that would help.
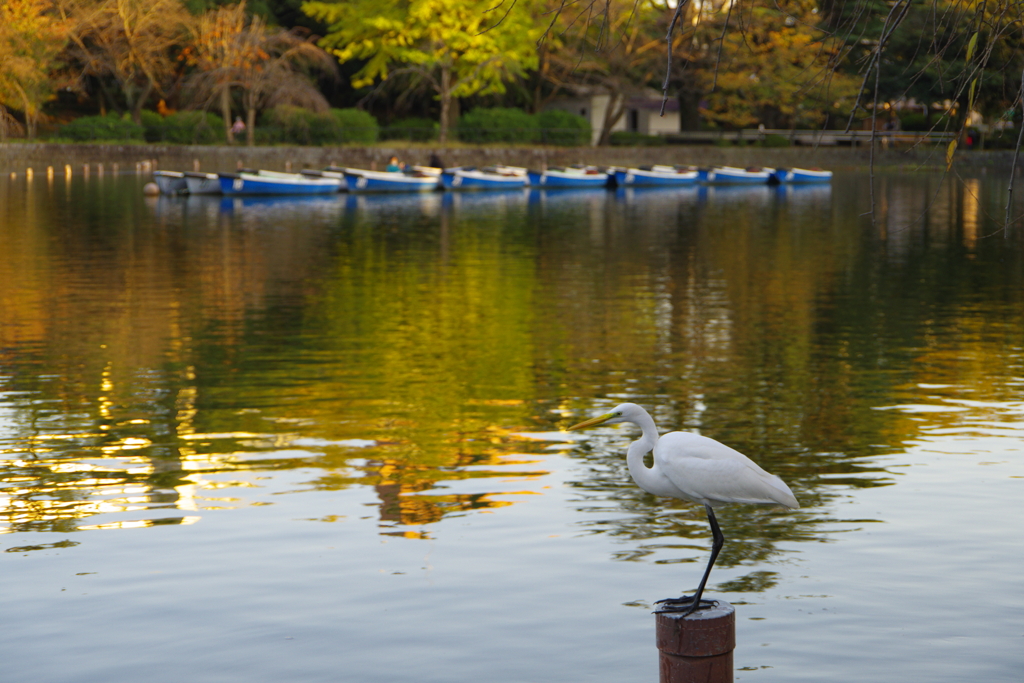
(697, 647)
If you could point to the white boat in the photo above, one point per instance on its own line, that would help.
(360, 180)
(488, 178)
(330, 172)
(728, 175)
(570, 177)
(655, 175)
(170, 182)
(801, 175)
(274, 182)
(202, 183)
(427, 170)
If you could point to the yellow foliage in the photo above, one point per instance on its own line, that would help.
(779, 71)
(31, 37)
(436, 35)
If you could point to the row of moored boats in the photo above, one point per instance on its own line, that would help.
(424, 178)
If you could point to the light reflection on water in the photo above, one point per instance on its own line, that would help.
(298, 385)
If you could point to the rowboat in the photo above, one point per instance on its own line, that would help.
(360, 180)
(170, 182)
(488, 178)
(329, 172)
(272, 182)
(655, 175)
(733, 175)
(202, 183)
(801, 175)
(569, 177)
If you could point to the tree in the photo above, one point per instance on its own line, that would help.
(31, 38)
(270, 66)
(216, 51)
(779, 69)
(619, 52)
(454, 45)
(132, 42)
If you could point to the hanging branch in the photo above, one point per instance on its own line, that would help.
(1013, 166)
(676, 16)
(721, 44)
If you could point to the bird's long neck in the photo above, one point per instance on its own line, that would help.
(642, 475)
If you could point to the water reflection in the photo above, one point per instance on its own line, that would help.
(159, 357)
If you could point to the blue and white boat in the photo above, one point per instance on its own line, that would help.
(488, 178)
(731, 175)
(170, 182)
(569, 177)
(272, 182)
(655, 175)
(329, 172)
(360, 180)
(801, 175)
(202, 183)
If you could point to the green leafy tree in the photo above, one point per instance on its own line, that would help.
(454, 45)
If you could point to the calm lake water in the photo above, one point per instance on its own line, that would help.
(319, 439)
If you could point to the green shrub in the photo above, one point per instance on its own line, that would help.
(631, 139)
(918, 123)
(193, 128)
(1001, 139)
(295, 125)
(413, 129)
(183, 128)
(356, 125)
(558, 127)
(152, 126)
(499, 124)
(94, 128)
(775, 141)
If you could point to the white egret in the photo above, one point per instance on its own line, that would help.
(695, 468)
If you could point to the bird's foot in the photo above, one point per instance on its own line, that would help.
(685, 604)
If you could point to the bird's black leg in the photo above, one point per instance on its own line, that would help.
(689, 604)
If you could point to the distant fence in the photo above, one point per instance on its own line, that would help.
(818, 138)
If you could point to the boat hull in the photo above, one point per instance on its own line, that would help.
(460, 179)
(635, 177)
(202, 183)
(249, 184)
(729, 175)
(561, 179)
(170, 182)
(337, 175)
(386, 181)
(801, 175)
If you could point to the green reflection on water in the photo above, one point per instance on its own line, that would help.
(160, 356)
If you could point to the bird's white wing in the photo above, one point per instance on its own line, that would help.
(710, 472)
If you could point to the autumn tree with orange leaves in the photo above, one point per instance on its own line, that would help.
(267, 65)
(32, 36)
(132, 42)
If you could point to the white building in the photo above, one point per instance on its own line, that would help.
(642, 113)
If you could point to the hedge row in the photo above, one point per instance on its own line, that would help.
(501, 124)
(109, 127)
(286, 124)
(298, 126)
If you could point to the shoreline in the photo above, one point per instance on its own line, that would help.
(17, 157)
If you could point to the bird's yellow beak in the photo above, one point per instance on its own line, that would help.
(592, 422)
